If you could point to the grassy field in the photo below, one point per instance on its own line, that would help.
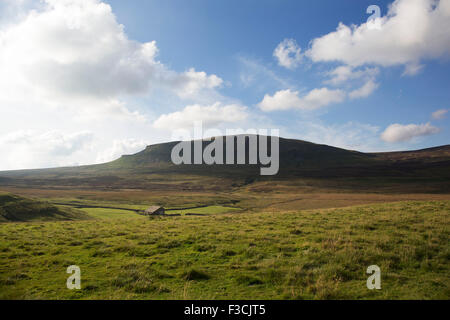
(105, 214)
(266, 254)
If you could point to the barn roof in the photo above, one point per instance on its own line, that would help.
(154, 208)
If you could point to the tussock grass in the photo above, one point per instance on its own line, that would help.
(311, 254)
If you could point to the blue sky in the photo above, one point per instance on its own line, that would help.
(99, 91)
(215, 34)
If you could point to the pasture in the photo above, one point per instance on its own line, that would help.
(260, 254)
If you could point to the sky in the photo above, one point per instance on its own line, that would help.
(86, 81)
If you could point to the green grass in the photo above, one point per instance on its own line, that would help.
(312, 254)
(103, 213)
(106, 213)
(18, 209)
(206, 210)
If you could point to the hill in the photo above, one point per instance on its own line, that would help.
(18, 209)
(426, 170)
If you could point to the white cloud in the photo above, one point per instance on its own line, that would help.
(30, 149)
(412, 69)
(340, 75)
(209, 115)
(281, 100)
(439, 114)
(13, 10)
(287, 99)
(413, 30)
(366, 90)
(121, 147)
(68, 66)
(346, 73)
(72, 51)
(288, 54)
(189, 83)
(400, 133)
(75, 48)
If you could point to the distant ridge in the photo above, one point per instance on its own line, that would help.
(428, 169)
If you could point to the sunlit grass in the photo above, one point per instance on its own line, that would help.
(313, 254)
(104, 213)
(206, 210)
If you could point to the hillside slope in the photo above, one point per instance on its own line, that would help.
(299, 160)
(18, 209)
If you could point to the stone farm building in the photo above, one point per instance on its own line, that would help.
(155, 210)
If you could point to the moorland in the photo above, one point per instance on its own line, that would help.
(309, 232)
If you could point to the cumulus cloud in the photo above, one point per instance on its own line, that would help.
(412, 30)
(69, 66)
(400, 133)
(209, 116)
(30, 149)
(189, 83)
(288, 54)
(288, 99)
(439, 114)
(342, 74)
(366, 90)
(76, 48)
(70, 52)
